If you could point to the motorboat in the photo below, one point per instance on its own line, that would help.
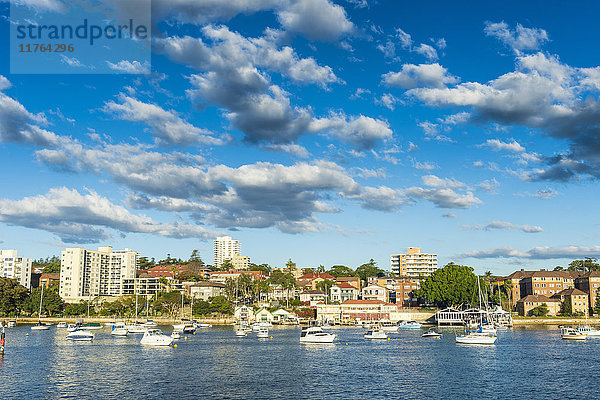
(150, 324)
(431, 334)
(568, 333)
(387, 325)
(12, 324)
(241, 333)
(81, 335)
(40, 326)
(119, 329)
(477, 337)
(409, 325)
(315, 334)
(263, 332)
(203, 325)
(136, 327)
(62, 325)
(176, 335)
(185, 327)
(375, 332)
(73, 327)
(92, 326)
(155, 337)
(588, 330)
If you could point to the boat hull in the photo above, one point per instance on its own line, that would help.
(80, 336)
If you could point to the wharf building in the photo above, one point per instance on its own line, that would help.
(413, 264)
(85, 274)
(14, 267)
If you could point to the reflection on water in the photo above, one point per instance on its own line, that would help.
(216, 363)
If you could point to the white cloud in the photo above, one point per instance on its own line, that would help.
(316, 19)
(537, 253)
(419, 76)
(130, 67)
(498, 145)
(521, 39)
(167, 126)
(362, 132)
(428, 51)
(388, 100)
(441, 192)
(4, 83)
(503, 225)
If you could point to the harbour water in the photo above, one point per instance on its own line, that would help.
(526, 363)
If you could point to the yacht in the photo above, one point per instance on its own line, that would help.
(241, 332)
(12, 324)
(185, 327)
(119, 329)
(203, 325)
(409, 325)
(263, 332)
(477, 337)
(488, 328)
(149, 324)
(375, 332)
(155, 337)
(588, 330)
(62, 325)
(387, 325)
(81, 335)
(136, 327)
(568, 333)
(431, 333)
(315, 334)
(40, 326)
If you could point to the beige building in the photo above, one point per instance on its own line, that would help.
(413, 264)
(376, 292)
(91, 273)
(577, 298)
(528, 303)
(590, 284)
(206, 290)
(225, 248)
(14, 267)
(355, 310)
(240, 262)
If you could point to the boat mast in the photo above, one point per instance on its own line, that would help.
(136, 298)
(41, 302)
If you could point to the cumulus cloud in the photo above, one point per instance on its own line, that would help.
(81, 218)
(537, 253)
(17, 125)
(520, 39)
(316, 20)
(417, 76)
(4, 83)
(361, 132)
(381, 198)
(542, 93)
(204, 11)
(442, 192)
(130, 67)
(498, 145)
(548, 193)
(428, 51)
(503, 225)
(166, 125)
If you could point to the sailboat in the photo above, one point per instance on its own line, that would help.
(587, 328)
(40, 326)
(481, 335)
(136, 327)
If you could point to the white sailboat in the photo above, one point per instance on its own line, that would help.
(136, 327)
(40, 326)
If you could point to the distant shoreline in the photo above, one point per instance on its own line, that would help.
(103, 320)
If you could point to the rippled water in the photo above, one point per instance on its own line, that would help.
(525, 363)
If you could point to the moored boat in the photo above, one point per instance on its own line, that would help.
(588, 330)
(81, 335)
(263, 332)
(155, 337)
(375, 332)
(315, 334)
(568, 333)
(119, 329)
(40, 326)
(62, 325)
(477, 337)
(409, 325)
(431, 334)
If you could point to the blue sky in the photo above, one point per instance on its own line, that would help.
(325, 132)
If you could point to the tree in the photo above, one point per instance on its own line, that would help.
(51, 303)
(262, 267)
(50, 265)
(340, 271)
(290, 265)
(201, 308)
(452, 285)
(589, 264)
(76, 308)
(597, 303)
(565, 308)
(220, 305)
(195, 257)
(325, 286)
(168, 301)
(226, 265)
(189, 276)
(558, 268)
(12, 297)
(145, 263)
(540, 311)
(369, 269)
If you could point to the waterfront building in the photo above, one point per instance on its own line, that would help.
(547, 283)
(529, 302)
(222, 276)
(91, 273)
(376, 292)
(413, 264)
(355, 310)
(240, 262)
(206, 290)
(243, 314)
(590, 284)
(577, 299)
(14, 267)
(312, 297)
(264, 315)
(513, 281)
(343, 291)
(401, 289)
(225, 248)
(149, 285)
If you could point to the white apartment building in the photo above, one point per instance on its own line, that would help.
(413, 264)
(91, 273)
(225, 248)
(14, 267)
